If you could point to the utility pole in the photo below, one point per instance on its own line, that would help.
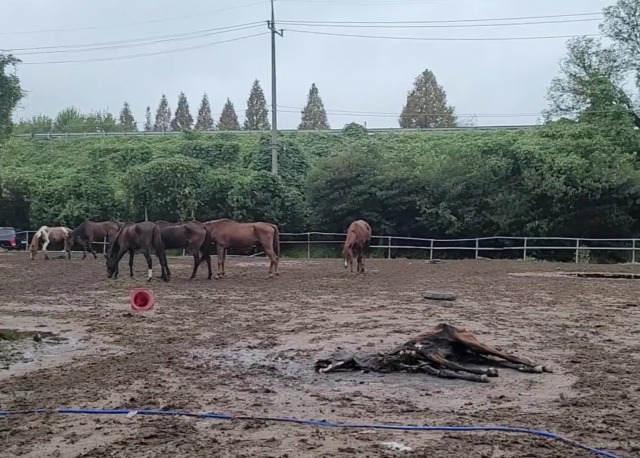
(274, 113)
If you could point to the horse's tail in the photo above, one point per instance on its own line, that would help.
(276, 240)
(208, 242)
(156, 240)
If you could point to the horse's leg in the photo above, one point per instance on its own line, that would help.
(147, 256)
(197, 259)
(164, 266)
(131, 254)
(273, 259)
(44, 246)
(360, 261)
(220, 251)
(224, 261)
(207, 259)
(89, 246)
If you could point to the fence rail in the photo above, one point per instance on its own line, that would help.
(373, 130)
(433, 245)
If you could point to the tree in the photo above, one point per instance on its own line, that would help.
(163, 116)
(10, 92)
(183, 119)
(205, 120)
(426, 105)
(256, 116)
(148, 126)
(228, 118)
(40, 124)
(314, 116)
(127, 122)
(592, 76)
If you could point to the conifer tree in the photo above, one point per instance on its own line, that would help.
(228, 118)
(427, 105)
(127, 122)
(183, 119)
(163, 116)
(257, 115)
(205, 120)
(148, 126)
(314, 116)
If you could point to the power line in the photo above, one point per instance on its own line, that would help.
(138, 41)
(132, 24)
(432, 26)
(382, 37)
(157, 53)
(395, 115)
(442, 21)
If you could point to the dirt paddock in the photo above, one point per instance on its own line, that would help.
(246, 345)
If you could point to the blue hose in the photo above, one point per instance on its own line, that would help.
(221, 416)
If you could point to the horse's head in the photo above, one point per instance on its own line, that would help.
(112, 264)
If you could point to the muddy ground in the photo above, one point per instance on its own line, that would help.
(246, 345)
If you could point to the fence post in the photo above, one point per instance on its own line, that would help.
(389, 249)
(308, 245)
(577, 250)
(431, 250)
(524, 253)
(477, 247)
(633, 251)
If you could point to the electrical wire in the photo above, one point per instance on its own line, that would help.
(442, 21)
(135, 24)
(157, 53)
(397, 115)
(382, 37)
(141, 42)
(429, 26)
(222, 416)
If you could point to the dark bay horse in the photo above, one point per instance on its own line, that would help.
(191, 235)
(91, 231)
(227, 233)
(143, 236)
(358, 240)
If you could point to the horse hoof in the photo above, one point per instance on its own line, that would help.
(492, 372)
(484, 378)
(547, 369)
(538, 369)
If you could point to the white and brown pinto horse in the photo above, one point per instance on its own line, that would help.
(358, 240)
(46, 235)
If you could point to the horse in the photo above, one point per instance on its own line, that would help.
(47, 235)
(192, 235)
(358, 240)
(137, 236)
(227, 233)
(88, 232)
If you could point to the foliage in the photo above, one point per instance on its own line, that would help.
(127, 122)
(10, 92)
(426, 105)
(163, 116)
(314, 116)
(256, 116)
(228, 118)
(40, 124)
(183, 119)
(205, 120)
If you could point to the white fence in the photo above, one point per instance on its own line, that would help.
(386, 242)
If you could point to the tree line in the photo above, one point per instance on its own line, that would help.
(578, 175)
(163, 119)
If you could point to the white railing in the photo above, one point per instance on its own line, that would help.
(433, 245)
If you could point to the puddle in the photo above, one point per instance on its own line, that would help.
(602, 275)
(22, 351)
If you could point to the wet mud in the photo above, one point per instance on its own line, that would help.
(247, 345)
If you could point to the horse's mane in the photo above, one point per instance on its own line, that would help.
(115, 245)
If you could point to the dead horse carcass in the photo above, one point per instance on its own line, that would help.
(440, 352)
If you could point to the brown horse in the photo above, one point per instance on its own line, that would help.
(358, 240)
(192, 235)
(90, 231)
(47, 235)
(227, 233)
(137, 236)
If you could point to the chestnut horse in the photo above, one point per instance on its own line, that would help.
(47, 235)
(358, 240)
(227, 233)
(90, 231)
(191, 235)
(137, 236)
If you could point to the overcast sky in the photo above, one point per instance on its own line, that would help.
(354, 74)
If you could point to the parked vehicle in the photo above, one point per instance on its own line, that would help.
(8, 239)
